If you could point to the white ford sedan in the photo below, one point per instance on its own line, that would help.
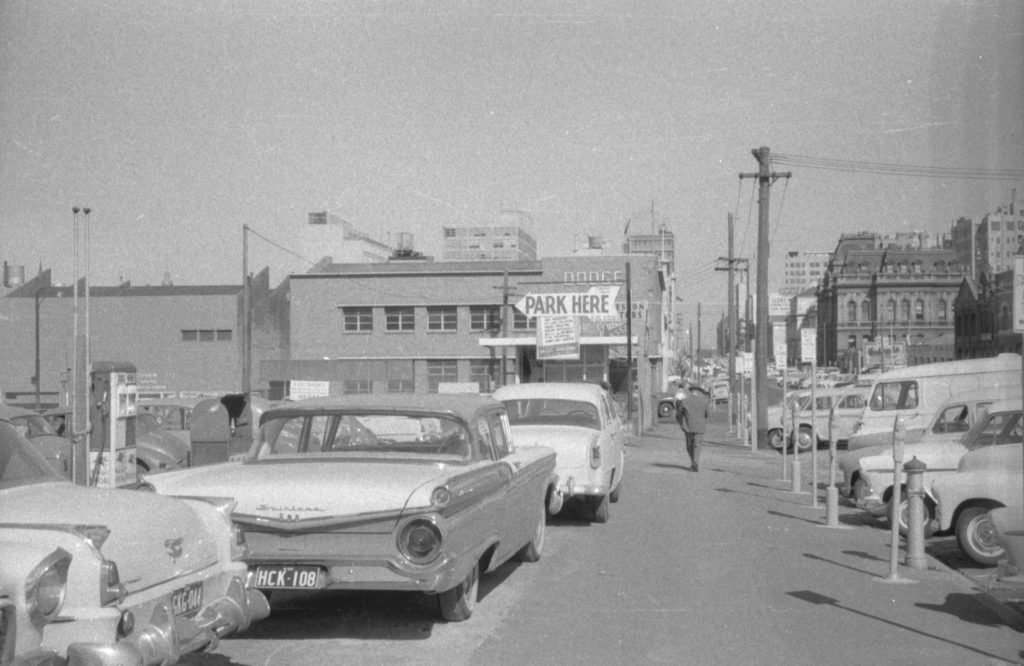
(579, 422)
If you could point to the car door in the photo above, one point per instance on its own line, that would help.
(848, 411)
(524, 501)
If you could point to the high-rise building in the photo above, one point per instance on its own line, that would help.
(661, 244)
(488, 243)
(327, 235)
(998, 238)
(803, 271)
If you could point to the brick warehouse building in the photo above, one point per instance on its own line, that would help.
(412, 325)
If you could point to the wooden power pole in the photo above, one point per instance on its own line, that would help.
(765, 176)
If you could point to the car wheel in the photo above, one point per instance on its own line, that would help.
(860, 490)
(804, 438)
(600, 508)
(928, 517)
(141, 466)
(457, 604)
(665, 409)
(531, 552)
(776, 439)
(977, 536)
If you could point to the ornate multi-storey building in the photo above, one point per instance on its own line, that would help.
(882, 300)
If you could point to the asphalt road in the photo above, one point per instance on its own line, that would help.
(724, 566)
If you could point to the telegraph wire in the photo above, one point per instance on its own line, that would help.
(889, 168)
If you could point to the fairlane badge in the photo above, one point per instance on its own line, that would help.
(173, 547)
(282, 509)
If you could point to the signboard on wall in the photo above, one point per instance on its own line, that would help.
(808, 345)
(595, 302)
(300, 388)
(558, 338)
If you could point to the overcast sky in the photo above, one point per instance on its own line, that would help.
(178, 122)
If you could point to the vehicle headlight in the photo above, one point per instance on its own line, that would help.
(46, 586)
(420, 541)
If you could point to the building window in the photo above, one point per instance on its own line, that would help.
(399, 319)
(851, 312)
(206, 335)
(442, 318)
(484, 318)
(441, 371)
(919, 310)
(891, 310)
(353, 386)
(940, 311)
(1004, 318)
(940, 267)
(400, 376)
(358, 320)
(865, 311)
(521, 322)
(480, 372)
(905, 310)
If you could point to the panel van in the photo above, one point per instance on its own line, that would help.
(915, 394)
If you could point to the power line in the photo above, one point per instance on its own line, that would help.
(889, 168)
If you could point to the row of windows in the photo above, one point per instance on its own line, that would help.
(438, 371)
(941, 311)
(205, 335)
(904, 267)
(439, 318)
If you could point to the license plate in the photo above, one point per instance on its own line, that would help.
(187, 600)
(288, 577)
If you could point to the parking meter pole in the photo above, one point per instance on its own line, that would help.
(915, 514)
(814, 436)
(894, 501)
(742, 415)
(785, 441)
(797, 480)
(832, 493)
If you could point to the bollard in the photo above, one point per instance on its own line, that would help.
(915, 514)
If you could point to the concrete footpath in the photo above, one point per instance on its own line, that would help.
(847, 566)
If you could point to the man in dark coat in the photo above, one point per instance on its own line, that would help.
(693, 413)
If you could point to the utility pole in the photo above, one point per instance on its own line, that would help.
(765, 176)
(700, 377)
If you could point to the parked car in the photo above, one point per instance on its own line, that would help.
(988, 476)
(157, 449)
(867, 472)
(172, 414)
(37, 429)
(720, 390)
(580, 425)
(915, 393)
(812, 425)
(399, 491)
(105, 576)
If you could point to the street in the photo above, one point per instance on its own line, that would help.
(722, 566)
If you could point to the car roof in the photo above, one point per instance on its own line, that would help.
(996, 394)
(464, 405)
(553, 390)
(1013, 405)
(170, 402)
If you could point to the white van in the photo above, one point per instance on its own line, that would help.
(915, 394)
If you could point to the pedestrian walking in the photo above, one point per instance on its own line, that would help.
(693, 413)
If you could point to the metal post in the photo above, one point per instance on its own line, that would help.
(797, 476)
(814, 432)
(915, 514)
(832, 493)
(898, 434)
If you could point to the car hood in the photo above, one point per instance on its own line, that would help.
(305, 491)
(152, 538)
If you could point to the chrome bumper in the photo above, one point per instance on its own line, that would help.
(165, 638)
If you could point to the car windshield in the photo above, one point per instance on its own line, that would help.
(548, 411)
(359, 435)
(20, 462)
(33, 425)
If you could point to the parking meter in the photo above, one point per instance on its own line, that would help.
(113, 398)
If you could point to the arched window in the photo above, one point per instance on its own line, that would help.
(865, 311)
(919, 310)
(940, 310)
(905, 310)
(940, 266)
(862, 267)
(890, 308)
(851, 312)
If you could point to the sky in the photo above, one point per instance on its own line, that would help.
(179, 122)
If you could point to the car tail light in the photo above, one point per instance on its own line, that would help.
(111, 589)
(46, 586)
(420, 541)
(239, 547)
(595, 453)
